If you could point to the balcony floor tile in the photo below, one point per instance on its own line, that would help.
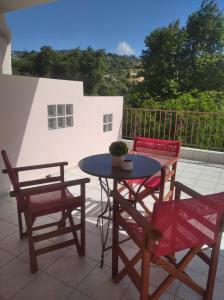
(63, 275)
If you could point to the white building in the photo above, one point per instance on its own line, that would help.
(30, 107)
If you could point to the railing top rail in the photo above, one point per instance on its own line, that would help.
(175, 111)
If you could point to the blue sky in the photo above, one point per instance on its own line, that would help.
(118, 26)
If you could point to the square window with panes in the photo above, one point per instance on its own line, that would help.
(60, 116)
(107, 122)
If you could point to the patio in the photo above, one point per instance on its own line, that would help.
(63, 275)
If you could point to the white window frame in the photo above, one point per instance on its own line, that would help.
(107, 122)
(62, 116)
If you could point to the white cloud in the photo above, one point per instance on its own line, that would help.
(124, 48)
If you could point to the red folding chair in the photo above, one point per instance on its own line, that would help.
(192, 224)
(167, 153)
(38, 201)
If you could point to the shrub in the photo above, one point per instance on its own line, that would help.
(118, 148)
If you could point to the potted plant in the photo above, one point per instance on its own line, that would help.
(118, 150)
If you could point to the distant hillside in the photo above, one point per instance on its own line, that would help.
(115, 63)
(102, 73)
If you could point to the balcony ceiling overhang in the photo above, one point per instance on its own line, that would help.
(10, 5)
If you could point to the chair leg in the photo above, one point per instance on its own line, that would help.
(115, 235)
(213, 268)
(62, 223)
(20, 223)
(83, 230)
(172, 180)
(79, 250)
(33, 258)
(145, 270)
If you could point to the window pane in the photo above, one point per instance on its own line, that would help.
(105, 127)
(61, 122)
(51, 110)
(69, 121)
(109, 126)
(61, 110)
(52, 123)
(69, 109)
(105, 118)
(110, 118)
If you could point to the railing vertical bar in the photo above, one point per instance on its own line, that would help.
(144, 128)
(171, 114)
(140, 123)
(222, 139)
(175, 128)
(132, 129)
(186, 127)
(210, 131)
(217, 131)
(154, 124)
(126, 121)
(205, 129)
(198, 129)
(123, 124)
(164, 126)
(150, 123)
(159, 125)
(192, 128)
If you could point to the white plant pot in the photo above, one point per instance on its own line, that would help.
(117, 161)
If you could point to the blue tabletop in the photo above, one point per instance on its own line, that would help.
(100, 165)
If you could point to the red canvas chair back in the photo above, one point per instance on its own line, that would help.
(148, 146)
(167, 153)
(194, 225)
(11, 172)
(187, 223)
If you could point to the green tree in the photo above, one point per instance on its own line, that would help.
(205, 29)
(23, 64)
(44, 62)
(162, 60)
(92, 69)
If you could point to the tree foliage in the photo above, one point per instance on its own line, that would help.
(161, 60)
(205, 29)
(101, 73)
(178, 60)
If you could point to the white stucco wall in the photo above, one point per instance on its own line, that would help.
(24, 130)
(5, 46)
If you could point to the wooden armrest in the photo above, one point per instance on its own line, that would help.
(139, 219)
(42, 166)
(171, 162)
(180, 187)
(48, 188)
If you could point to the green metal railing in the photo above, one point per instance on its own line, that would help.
(202, 130)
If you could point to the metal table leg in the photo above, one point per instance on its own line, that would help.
(104, 228)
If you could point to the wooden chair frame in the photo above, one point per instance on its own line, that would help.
(23, 197)
(145, 245)
(168, 174)
(47, 179)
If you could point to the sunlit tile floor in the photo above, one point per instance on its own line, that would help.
(62, 275)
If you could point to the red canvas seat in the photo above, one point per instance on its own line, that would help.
(41, 200)
(167, 153)
(52, 202)
(189, 224)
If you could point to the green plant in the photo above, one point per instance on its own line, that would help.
(118, 148)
